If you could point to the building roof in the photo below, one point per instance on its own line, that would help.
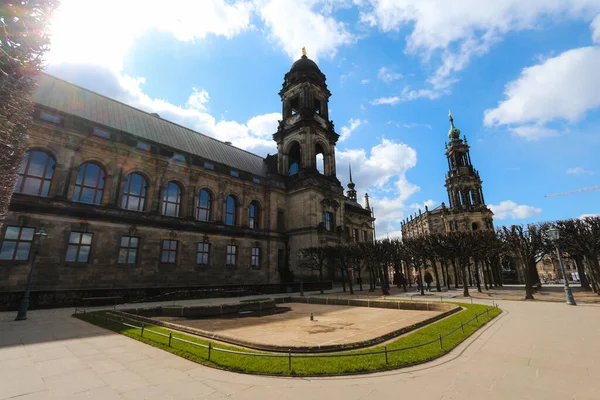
(68, 98)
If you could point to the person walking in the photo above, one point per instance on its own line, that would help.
(418, 281)
(428, 280)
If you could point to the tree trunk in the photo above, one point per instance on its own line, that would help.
(529, 281)
(343, 279)
(491, 276)
(371, 279)
(436, 274)
(585, 284)
(594, 267)
(455, 273)
(485, 280)
(321, 276)
(447, 276)
(360, 278)
(464, 278)
(384, 281)
(477, 278)
(421, 272)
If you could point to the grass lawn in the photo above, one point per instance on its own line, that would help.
(313, 364)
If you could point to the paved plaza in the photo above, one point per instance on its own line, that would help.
(534, 350)
(331, 325)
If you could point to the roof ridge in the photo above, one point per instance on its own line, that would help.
(148, 113)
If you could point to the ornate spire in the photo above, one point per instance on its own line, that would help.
(351, 191)
(367, 206)
(454, 132)
(303, 51)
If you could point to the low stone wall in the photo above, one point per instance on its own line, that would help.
(200, 311)
(446, 309)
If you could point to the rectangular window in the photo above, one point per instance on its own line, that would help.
(356, 236)
(329, 221)
(143, 146)
(101, 133)
(17, 243)
(79, 247)
(168, 254)
(128, 249)
(55, 119)
(256, 256)
(280, 221)
(255, 180)
(178, 158)
(231, 255)
(208, 165)
(235, 173)
(365, 236)
(202, 251)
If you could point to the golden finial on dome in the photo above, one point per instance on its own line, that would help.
(304, 51)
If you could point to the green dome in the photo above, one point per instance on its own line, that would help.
(454, 133)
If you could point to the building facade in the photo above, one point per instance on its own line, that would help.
(466, 208)
(130, 200)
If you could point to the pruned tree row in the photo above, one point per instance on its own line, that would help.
(461, 259)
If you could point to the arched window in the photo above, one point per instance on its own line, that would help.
(203, 206)
(474, 226)
(35, 174)
(134, 192)
(254, 213)
(171, 200)
(294, 159)
(230, 210)
(320, 158)
(89, 184)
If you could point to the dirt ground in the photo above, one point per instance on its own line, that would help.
(293, 327)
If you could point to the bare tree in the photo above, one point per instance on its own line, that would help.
(315, 258)
(23, 41)
(529, 246)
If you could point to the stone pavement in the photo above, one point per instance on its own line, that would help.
(532, 351)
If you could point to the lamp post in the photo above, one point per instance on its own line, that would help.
(554, 234)
(38, 240)
(301, 265)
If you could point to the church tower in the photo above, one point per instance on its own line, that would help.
(463, 183)
(305, 137)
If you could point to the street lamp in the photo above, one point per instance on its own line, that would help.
(301, 262)
(38, 241)
(554, 234)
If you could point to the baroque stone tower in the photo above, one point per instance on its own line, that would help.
(463, 182)
(305, 130)
(466, 210)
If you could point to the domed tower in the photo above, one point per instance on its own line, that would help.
(305, 131)
(463, 183)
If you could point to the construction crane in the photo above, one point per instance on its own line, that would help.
(574, 191)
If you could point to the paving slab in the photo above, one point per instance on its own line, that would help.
(534, 350)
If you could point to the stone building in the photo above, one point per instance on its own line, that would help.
(466, 208)
(131, 201)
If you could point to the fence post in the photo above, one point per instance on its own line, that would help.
(170, 337)
(386, 355)
(477, 318)
(471, 300)
(441, 299)
(290, 360)
(440, 337)
(142, 330)
(462, 327)
(209, 349)
(487, 312)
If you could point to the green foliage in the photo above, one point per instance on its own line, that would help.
(315, 365)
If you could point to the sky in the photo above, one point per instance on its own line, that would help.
(520, 77)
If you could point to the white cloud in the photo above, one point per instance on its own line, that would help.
(583, 216)
(347, 130)
(297, 23)
(386, 75)
(421, 206)
(264, 125)
(533, 131)
(450, 34)
(198, 99)
(386, 100)
(101, 32)
(510, 210)
(382, 174)
(579, 171)
(565, 87)
(364, 81)
(595, 26)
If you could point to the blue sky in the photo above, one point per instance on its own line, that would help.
(520, 78)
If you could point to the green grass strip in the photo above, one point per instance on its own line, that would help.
(314, 365)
